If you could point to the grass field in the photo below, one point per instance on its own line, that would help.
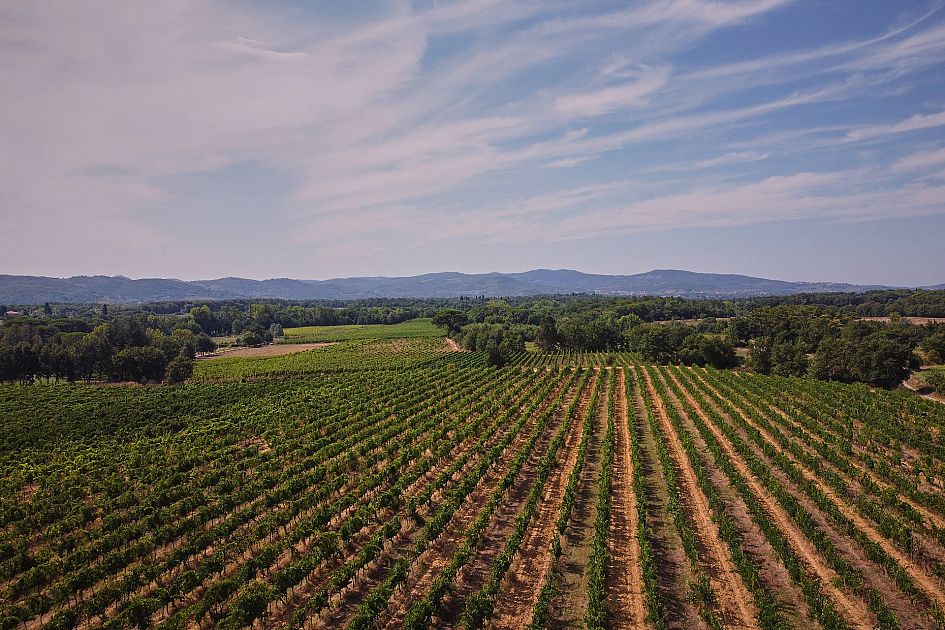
(411, 329)
(396, 484)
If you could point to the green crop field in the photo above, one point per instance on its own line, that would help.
(399, 484)
(412, 329)
(339, 357)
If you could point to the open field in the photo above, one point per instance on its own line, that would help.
(412, 329)
(271, 350)
(393, 484)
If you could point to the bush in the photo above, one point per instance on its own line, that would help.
(180, 369)
(936, 380)
(204, 343)
(251, 339)
(141, 364)
(698, 349)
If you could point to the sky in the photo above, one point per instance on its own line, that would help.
(789, 139)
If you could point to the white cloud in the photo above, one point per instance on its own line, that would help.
(732, 157)
(570, 162)
(923, 160)
(609, 99)
(369, 118)
(913, 123)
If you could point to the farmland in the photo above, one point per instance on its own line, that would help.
(394, 483)
(411, 329)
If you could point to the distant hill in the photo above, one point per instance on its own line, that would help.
(660, 282)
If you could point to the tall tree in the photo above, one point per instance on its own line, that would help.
(547, 337)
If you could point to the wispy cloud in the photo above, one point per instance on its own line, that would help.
(922, 160)
(913, 123)
(428, 121)
(732, 157)
(609, 99)
(570, 162)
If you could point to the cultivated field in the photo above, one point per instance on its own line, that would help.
(410, 329)
(393, 484)
(270, 350)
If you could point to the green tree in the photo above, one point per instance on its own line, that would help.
(547, 337)
(47, 310)
(179, 369)
(703, 350)
(204, 318)
(882, 360)
(204, 343)
(759, 355)
(451, 319)
(788, 359)
(140, 364)
(933, 346)
(833, 361)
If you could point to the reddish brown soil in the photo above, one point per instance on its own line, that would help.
(924, 544)
(918, 321)
(344, 605)
(773, 574)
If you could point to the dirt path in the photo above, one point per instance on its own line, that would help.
(933, 589)
(569, 606)
(853, 610)
(913, 384)
(453, 346)
(625, 576)
(271, 350)
(735, 601)
(519, 591)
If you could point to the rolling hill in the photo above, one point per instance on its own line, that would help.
(661, 282)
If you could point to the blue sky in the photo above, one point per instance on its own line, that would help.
(792, 139)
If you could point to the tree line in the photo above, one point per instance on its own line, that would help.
(789, 340)
(130, 347)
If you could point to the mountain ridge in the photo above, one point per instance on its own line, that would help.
(657, 282)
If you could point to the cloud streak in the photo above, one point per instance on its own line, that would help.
(423, 123)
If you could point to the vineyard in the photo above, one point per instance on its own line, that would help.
(411, 329)
(399, 484)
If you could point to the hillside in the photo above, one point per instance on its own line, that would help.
(660, 282)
